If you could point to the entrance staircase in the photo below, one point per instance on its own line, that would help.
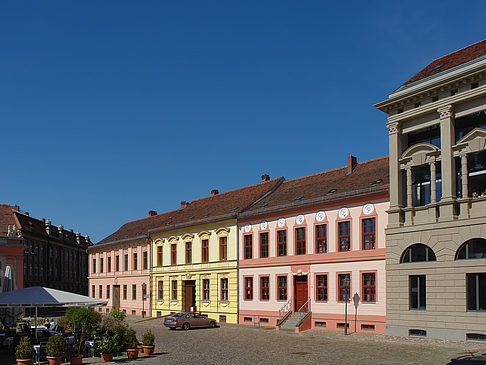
(293, 321)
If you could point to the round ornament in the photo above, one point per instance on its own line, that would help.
(281, 222)
(343, 213)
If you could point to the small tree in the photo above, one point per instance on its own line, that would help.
(111, 332)
(131, 341)
(24, 349)
(118, 315)
(148, 338)
(83, 322)
(55, 346)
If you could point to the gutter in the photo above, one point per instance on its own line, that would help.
(194, 223)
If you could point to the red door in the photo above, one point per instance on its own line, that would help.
(301, 294)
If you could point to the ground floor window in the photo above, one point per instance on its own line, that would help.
(264, 288)
(174, 289)
(344, 282)
(205, 289)
(160, 287)
(107, 292)
(249, 288)
(476, 292)
(417, 292)
(224, 289)
(369, 287)
(321, 288)
(125, 292)
(282, 287)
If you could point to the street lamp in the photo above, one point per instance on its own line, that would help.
(346, 289)
(144, 290)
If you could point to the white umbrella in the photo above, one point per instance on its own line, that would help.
(8, 316)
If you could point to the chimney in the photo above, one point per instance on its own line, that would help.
(27, 213)
(48, 226)
(265, 177)
(184, 204)
(16, 208)
(86, 238)
(352, 162)
(214, 192)
(152, 213)
(78, 237)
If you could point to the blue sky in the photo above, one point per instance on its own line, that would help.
(109, 109)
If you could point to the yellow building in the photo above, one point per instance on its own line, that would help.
(194, 253)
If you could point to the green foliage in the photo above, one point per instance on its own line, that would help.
(148, 338)
(131, 341)
(24, 349)
(118, 315)
(55, 346)
(109, 344)
(111, 332)
(83, 322)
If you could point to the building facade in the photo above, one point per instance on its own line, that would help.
(436, 235)
(300, 245)
(195, 253)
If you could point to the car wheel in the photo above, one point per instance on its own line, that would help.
(212, 324)
(186, 326)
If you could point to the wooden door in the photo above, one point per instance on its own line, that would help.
(116, 297)
(301, 294)
(189, 295)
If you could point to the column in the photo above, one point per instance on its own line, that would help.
(464, 176)
(395, 182)
(433, 179)
(409, 187)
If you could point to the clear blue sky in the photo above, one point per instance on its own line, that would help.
(111, 108)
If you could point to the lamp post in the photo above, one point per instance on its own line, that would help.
(346, 295)
(144, 290)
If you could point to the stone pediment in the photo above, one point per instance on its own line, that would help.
(474, 141)
(419, 154)
(187, 237)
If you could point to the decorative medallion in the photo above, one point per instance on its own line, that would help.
(320, 216)
(300, 219)
(263, 225)
(343, 213)
(247, 228)
(368, 209)
(281, 222)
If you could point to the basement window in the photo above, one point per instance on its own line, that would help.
(341, 325)
(222, 319)
(263, 320)
(368, 327)
(417, 333)
(475, 337)
(247, 319)
(319, 324)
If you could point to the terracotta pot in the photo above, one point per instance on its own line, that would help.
(54, 360)
(140, 349)
(148, 350)
(24, 361)
(106, 357)
(132, 354)
(77, 360)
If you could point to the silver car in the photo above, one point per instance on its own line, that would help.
(187, 320)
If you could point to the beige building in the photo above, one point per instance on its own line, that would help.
(436, 234)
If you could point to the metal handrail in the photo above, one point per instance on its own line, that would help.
(302, 309)
(286, 308)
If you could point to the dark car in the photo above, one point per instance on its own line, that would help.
(186, 320)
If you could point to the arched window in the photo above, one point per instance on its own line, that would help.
(472, 249)
(417, 253)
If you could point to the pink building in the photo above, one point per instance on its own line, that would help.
(311, 241)
(119, 270)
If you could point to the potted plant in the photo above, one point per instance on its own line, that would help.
(148, 340)
(55, 348)
(83, 322)
(24, 352)
(131, 343)
(108, 346)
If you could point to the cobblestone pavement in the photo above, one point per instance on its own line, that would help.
(232, 344)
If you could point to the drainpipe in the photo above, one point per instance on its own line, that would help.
(150, 274)
(237, 272)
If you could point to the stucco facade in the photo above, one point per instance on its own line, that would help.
(436, 236)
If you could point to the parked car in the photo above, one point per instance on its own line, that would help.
(187, 320)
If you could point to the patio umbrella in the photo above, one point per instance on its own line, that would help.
(8, 316)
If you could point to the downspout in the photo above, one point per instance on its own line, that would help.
(150, 274)
(237, 272)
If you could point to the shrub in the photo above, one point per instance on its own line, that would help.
(24, 349)
(109, 344)
(131, 341)
(118, 315)
(83, 322)
(55, 346)
(148, 338)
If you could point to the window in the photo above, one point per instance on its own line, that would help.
(224, 289)
(135, 261)
(223, 248)
(125, 290)
(93, 294)
(188, 252)
(321, 288)
(369, 233)
(417, 253)
(319, 324)
(263, 320)
(369, 287)
(160, 290)
(264, 244)
(101, 264)
(117, 263)
(174, 289)
(472, 249)
(421, 188)
(144, 290)
(247, 319)
(248, 246)
(107, 292)
(205, 289)
(344, 282)
(145, 260)
(417, 292)
(282, 243)
(321, 238)
(368, 327)
(300, 241)
(249, 288)
(173, 254)
(264, 288)
(126, 262)
(93, 267)
(344, 238)
(282, 287)
(417, 332)
(134, 292)
(205, 251)
(108, 269)
(476, 292)
(222, 319)
(159, 255)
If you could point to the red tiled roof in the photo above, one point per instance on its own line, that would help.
(6, 218)
(316, 187)
(453, 59)
(211, 208)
